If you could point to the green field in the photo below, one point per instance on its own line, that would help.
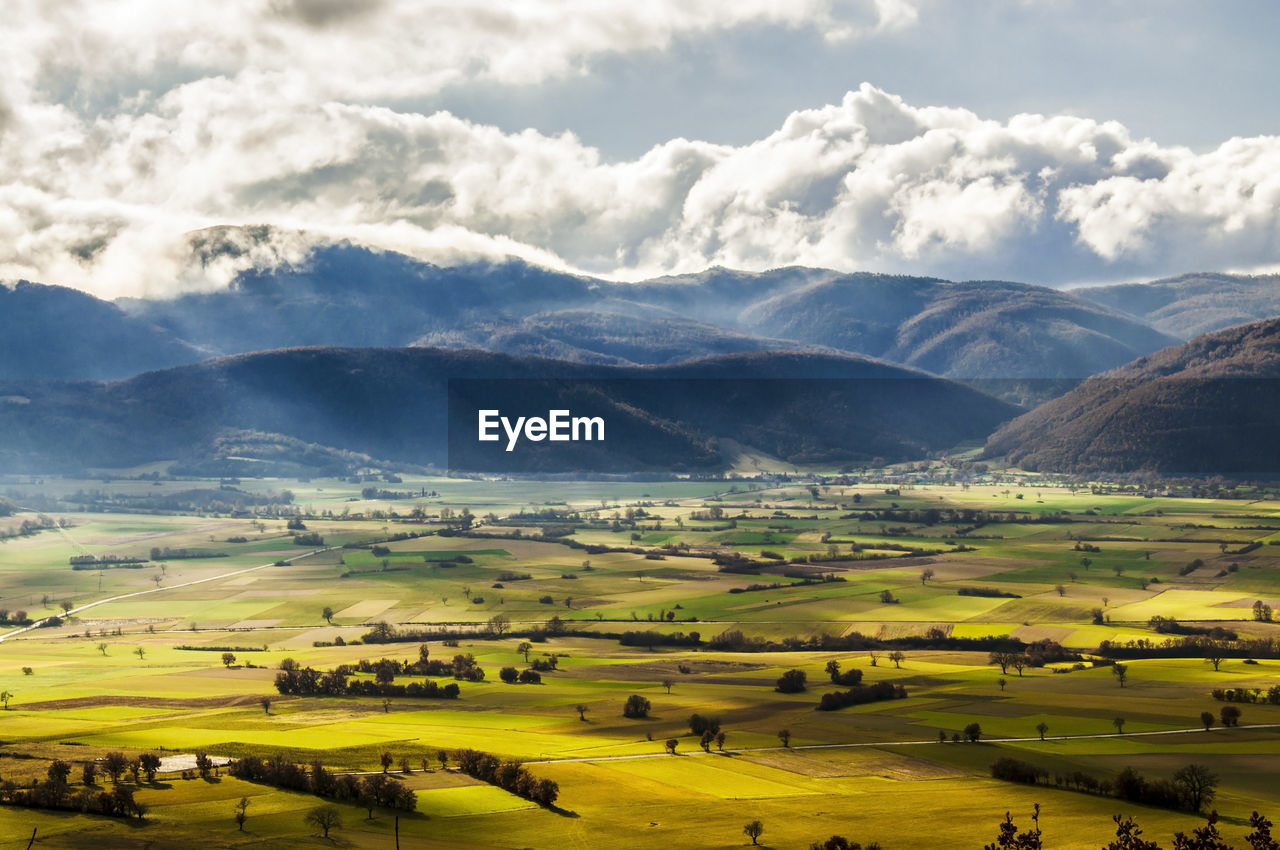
(126, 670)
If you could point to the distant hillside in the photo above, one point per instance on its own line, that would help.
(1208, 406)
(647, 335)
(1194, 303)
(978, 329)
(345, 295)
(327, 409)
(51, 332)
(351, 296)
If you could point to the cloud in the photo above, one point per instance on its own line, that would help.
(126, 130)
(396, 48)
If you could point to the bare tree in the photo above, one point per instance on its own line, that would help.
(324, 818)
(1198, 782)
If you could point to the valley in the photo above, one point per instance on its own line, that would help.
(696, 596)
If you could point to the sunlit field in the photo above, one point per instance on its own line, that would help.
(180, 654)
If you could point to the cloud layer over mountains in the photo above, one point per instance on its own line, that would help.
(127, 126)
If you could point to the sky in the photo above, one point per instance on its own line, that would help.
(1050, 141)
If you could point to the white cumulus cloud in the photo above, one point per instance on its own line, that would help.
(125, 129)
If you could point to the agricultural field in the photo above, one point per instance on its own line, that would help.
(1083, 630)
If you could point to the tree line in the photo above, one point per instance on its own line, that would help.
(376, 790)
(508, 775)
(1190, 789)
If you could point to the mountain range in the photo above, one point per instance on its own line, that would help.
(345, 359)
(325, 410)
(1208, 406)
(347, 295)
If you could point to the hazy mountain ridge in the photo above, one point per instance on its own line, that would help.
(52, 332)
(391, 404)
(345, 295)
(1192, 304)
(1207, 406)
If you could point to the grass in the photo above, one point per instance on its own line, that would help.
(79, 703)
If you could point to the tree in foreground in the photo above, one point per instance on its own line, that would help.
(1206, 837)
(973, 732)
(1260, 838)
(582, 712)
(1010, 839)
(1121, 672)
(327, 614)
(1129, 836)
(753, 831)
(324, 818)
(265, 702)
(242, 812)
(671, 745)
(1230, 715)
(1118, 722)
(1042, 728)
(784, 735)
(150, 765)
(897, 658)
(1206, 720)
(839, 842)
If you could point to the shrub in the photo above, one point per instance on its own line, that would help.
(636, 707)
(791, 682)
